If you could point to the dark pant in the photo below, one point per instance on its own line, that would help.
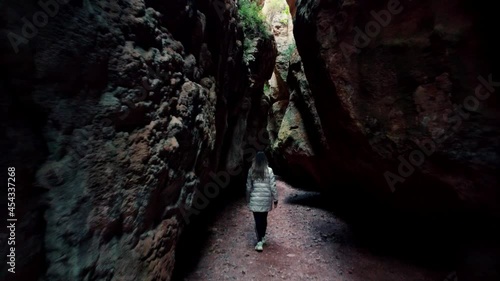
(260, 224)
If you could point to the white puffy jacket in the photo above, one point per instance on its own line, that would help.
(261, 192)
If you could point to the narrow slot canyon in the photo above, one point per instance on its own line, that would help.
(132, 130)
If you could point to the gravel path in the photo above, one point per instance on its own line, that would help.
(304, 243)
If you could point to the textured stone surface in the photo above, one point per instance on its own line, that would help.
(381, 97)
(131, 105)
(300, 140)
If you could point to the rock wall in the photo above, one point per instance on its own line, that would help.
(402, 94)
(114, 114)
(294, 128)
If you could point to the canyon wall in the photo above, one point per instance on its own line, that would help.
(115, 114)
(405, 94)
(293, 124)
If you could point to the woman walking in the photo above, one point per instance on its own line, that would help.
(261, 194)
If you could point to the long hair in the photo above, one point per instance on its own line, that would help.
(259, 166)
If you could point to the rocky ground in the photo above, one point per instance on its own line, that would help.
(304, 243)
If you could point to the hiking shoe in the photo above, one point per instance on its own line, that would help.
(259, 247)
(263, 240)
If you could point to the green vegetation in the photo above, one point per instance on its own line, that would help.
(288, 52)
(267, 88)
(254, 26)
(284, 20)
(252, 19)
(287, 10)
(249, 49)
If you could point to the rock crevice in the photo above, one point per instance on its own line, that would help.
(134, 103)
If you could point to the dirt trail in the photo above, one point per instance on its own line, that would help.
(304, 243)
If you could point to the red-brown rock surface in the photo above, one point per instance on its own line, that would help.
(382, 95)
